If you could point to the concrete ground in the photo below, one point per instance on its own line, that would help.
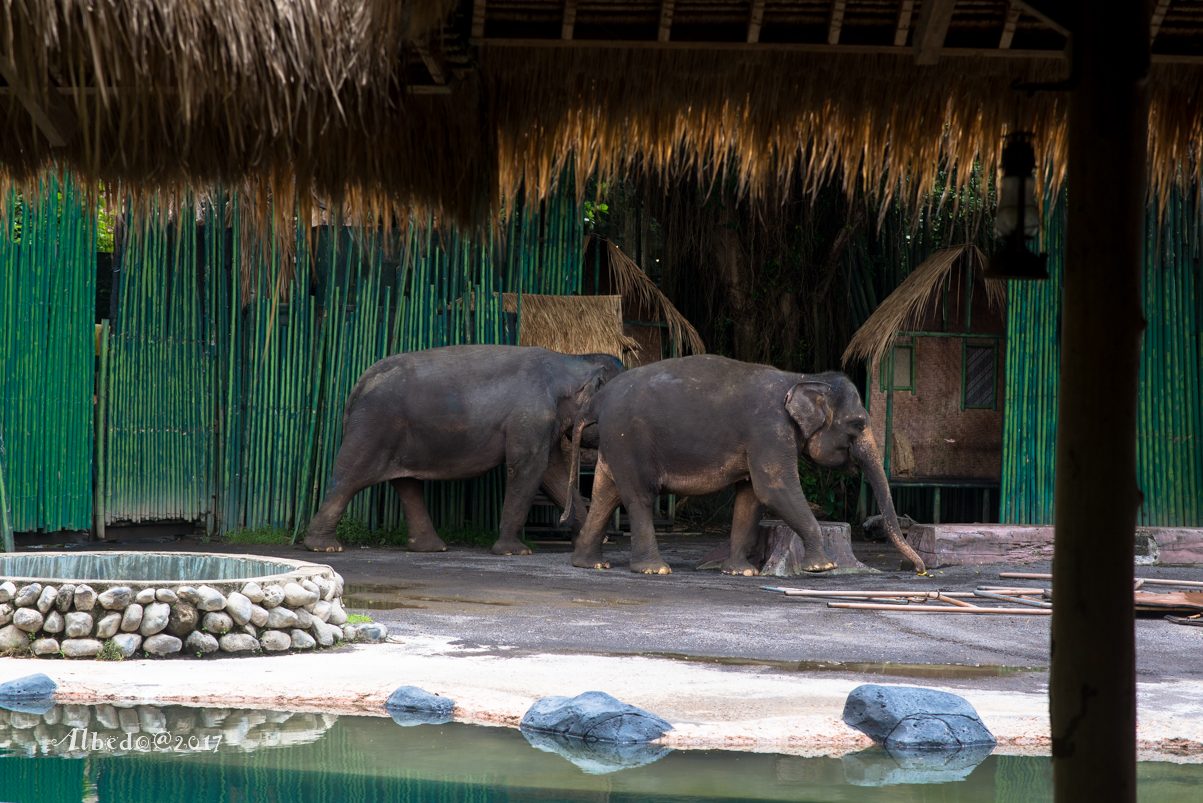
(728, 663)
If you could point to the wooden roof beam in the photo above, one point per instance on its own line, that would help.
(1157, 18)
(906, 10)
(569, 19)
(934, 19)
(1009, 25)
(755, 20)
(666, 20)
(437, 73)
(836, 22)
(53, 117)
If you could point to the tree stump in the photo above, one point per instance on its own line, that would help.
(779, 551)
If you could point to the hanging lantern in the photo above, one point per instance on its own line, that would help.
(1018, 220)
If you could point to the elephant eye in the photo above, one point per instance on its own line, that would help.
(859, 423)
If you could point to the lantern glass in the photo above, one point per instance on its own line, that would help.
(1017, 197)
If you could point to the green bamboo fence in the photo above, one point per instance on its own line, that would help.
(47, 304)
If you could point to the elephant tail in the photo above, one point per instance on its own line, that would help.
(574, 462)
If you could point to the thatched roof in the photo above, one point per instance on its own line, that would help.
(571, 324)
(450, 106)
(904, 308)
(636, 287)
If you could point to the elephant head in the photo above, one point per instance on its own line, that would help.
(836, 434)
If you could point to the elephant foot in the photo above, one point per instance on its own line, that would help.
(740, 567)
(322, 543)
(426, 543)
(590, 561)
(818, 566)
(510, 546)
(655, 566)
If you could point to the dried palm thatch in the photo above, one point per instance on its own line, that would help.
(571, 324)
(633, 284)
(904, 308)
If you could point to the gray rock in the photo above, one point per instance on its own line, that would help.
(200, 642)
(250, 630)
(13, 638)
(145, 596)
(155, 619)
(253, 592)
(106, 715)
(371, 631)
(238, 642)
(126, 644)
(27, 597)
(30, 687)
(66, 595)
(238, 606)
(259, 615)
(275, 641)
(162, 644)
(325, 588)
(273, 596)
(908, 717)
(78, 624)
(7, 591)
(54, 623)
(595, 717)
(166, 595)
(322, 611)
(304, 619)
(53, 716)
(85, 598)
(209, 599)
(183, 620)
(81, 647)
(302, 640)
(116, 599)
(410, 705)
(337, 615)
(188, 594)
(217, 622)
(46, 646)
(296, 596)
(6, 613)
(46, 598)
(28, 619)
(280, 618)
(108, 625)
(128, 718)
(350, 632)
(325, 634)
(152, 719)
(131, 620)
(77, 716)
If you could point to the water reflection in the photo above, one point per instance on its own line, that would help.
(596, 758)
(881, 766)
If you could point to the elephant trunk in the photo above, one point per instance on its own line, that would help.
(865, 451)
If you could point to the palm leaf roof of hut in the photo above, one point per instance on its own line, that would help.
(571, 324)
(638, 289)
(451, 105)
(904, 308)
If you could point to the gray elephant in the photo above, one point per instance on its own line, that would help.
(694, 425)
(454, 413)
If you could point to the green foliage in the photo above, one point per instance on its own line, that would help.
(358, 619)
(832, 490)
(109, 652)
(355, 532)
(259, 535)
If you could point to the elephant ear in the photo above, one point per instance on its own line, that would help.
(591, 384)
(807, 404)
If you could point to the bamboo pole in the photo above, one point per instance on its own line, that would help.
(102, 395)
(871, 606)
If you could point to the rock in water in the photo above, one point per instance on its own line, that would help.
(909, 717)
(200, 642)
(162, 644)
(594, 716)
(410, 705)
(126, 644)
(30, 687)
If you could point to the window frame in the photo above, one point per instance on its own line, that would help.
(992, 345)
(887, 370)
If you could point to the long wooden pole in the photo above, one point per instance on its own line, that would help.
(1092, 682)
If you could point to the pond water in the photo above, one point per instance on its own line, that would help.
(81, 754)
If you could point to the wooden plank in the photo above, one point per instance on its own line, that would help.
(478, 19)
(932, 28)
(873, 606)
(569, 20)
(905, 10)
(835, 22)
(1012, 20)
(755, 20)
(1157, 18)
(53, 117)
(1056, 14)
(437, 73)
(666, 20)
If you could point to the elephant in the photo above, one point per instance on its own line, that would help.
(695, 425)
(454, 413)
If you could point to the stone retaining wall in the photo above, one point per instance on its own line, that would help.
(980, 544)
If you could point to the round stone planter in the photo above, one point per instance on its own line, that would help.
(121, 604)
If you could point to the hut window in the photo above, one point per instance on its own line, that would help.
(903, 361)
(979, 377)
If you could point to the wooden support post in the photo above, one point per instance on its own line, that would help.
(835, 22)
(754, 21)
(934, 18)
(666, 20)
(1092, 681)
(1009, 25)
(569, 20)
(935, 506)
(905, 9)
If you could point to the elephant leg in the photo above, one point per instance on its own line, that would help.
(787, 501)
(422, 535)
(587, 552)
(319, 537)
(555, 481)
(645, 552)
(356, 466)
(525, 469)
(743, 530)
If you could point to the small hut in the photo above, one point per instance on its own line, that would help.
(934, 353)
